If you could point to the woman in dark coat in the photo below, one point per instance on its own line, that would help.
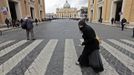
(90, 42)
(123, 23)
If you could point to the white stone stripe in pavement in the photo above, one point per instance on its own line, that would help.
(12, 62)
(5, 43)
(81, 40)
(108, 70)
(39, 66)
(128, 62)
(70, 58)
(10, 48)
(130, 49)
(127, 41)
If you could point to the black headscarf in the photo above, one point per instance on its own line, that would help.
(81, 24)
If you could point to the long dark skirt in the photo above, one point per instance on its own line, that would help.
(84, 58)
(95, 61)
(91, 58)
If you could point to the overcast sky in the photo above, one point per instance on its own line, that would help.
(51, 5)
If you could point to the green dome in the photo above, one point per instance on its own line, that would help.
(66, 5)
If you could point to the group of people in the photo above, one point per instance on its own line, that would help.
(27, 21)
(90, 56)
(122, 23)
(17, 23)
(13, 23)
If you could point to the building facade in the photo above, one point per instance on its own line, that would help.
(50, 16)
(17, 9)
(104, 10)
(66, 11)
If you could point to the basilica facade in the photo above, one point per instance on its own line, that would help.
(66, 11)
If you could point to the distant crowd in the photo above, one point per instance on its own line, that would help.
(17, 23)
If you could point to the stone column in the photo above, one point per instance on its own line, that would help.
(18, 10)
(113, 9)
(9, 14)
(123, 7)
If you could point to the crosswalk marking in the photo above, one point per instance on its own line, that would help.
(128, 62)
(39, 66)
(108, 70)
(81, 40)
(127, 41)
(70, 59)
(5, 43)
(122, 45)
(8, 65)
(8, 49)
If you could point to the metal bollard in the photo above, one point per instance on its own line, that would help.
(133, 32)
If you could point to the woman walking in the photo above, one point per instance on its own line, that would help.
(91, 44)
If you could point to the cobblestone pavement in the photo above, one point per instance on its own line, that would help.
(22, 57)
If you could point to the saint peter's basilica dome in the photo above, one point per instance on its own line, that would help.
(66, 5)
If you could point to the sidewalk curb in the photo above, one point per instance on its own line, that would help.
(118, 25)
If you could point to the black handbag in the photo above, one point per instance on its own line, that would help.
(95, 61)
(23, 25)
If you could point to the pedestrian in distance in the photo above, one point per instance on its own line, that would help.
(14, 23)
(36, 21)
(21, 21)
(100, 20)
(112, 21)
(7, 22)
(91, 49)
(28, 26)
(17, 23)
(10, 22)
(123, 23)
